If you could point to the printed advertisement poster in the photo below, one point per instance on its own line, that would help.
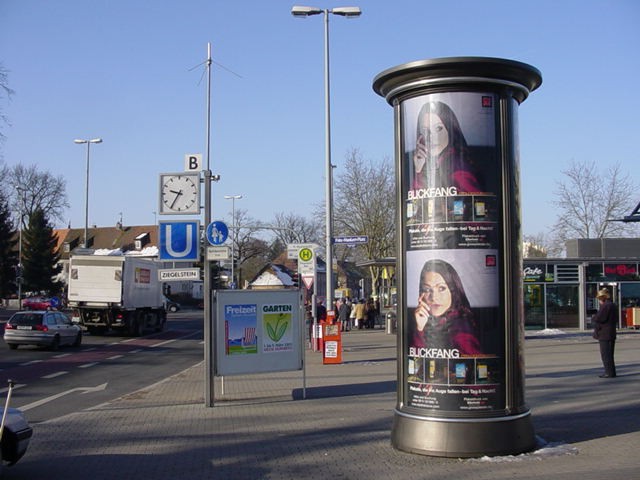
(240, 323)
(277, 324)
(453, 323)
(451, 175)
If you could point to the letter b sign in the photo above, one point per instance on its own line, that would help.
(193, 162)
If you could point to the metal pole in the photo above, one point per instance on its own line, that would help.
(20, 226)
(86, 200)
(233, 240)
(329, 172)
(209, 340)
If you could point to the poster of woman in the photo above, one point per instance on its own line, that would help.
(451, 166)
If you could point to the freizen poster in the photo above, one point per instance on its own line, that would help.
(240, 323)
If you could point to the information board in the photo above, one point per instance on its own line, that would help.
(257, 331)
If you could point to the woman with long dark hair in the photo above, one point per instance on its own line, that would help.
(441, 157)
(443, 316)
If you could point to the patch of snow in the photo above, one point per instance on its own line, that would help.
(550, 331)
(543, 450)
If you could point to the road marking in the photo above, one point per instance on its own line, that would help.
(20, 385)
(54, 375)
(136, 351)
(61, 355)
(82, 390)
(32, 362)
(115, 357)
(87, 365)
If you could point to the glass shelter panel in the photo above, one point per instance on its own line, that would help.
(534, 306)
(562, 306)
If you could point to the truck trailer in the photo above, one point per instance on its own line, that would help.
(120, 293)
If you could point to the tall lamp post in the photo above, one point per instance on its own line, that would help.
(349, 12)
(86, 192)
(21, 192)
(233, 199)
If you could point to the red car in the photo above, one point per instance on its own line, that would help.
(40, 303)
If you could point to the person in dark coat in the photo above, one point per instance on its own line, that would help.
(605, 325)
(344, 310)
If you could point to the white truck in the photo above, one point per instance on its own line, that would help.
(111, 292)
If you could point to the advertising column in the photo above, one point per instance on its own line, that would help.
(460, 388)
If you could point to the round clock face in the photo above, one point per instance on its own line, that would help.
(180, 194)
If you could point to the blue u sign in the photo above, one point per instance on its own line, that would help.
(179, 240)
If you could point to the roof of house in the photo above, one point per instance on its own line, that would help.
(119, 237)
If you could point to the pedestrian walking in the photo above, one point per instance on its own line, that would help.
(605, 324)
(360, 309)
(344, 310)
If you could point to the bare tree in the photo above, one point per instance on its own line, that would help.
(364, 204)
(589, 199)
(5, 91)
(540, 245)
(34, 190)
(246, 245)
(292, 228)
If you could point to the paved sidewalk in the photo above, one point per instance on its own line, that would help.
(262, 429)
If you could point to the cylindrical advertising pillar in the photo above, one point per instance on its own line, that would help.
(460, 313)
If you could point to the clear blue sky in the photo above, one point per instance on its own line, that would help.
(124, 70)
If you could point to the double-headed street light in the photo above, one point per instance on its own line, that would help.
(86, 194)
(233, 199)
(349, 12)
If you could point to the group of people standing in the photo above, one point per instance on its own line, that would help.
(357, 313)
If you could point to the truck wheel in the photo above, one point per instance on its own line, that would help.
(136, 327)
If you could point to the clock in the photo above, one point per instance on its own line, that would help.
(180, 193)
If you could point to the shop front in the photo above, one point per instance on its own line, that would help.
(561, 293)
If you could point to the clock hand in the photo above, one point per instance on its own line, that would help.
(178, 193)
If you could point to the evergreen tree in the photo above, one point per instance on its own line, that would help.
(8, 250)
(39, 255)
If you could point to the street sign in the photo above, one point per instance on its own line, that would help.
(179, 240)
(218, 253)
(308, 281)
(305, 254)
(177, 275)
(193, 162)
(294, 248)
(351, 240)
(217, 233)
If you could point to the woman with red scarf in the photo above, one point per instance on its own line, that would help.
(441, 157)
(443, 317)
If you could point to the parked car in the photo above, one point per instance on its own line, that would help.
(170, 305)
(40, 303)
(44, 328)
(15, 433)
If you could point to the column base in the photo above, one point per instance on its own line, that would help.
(463, 438)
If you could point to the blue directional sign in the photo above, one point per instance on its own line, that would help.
(179, 240)
(217, 233)
(351, 240)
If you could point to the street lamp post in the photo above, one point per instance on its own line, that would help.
(21, 192)
(233, 199)
(86, 193)
(349, 12)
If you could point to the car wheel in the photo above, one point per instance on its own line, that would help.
(55, 344)
(78, 340)
(13, 346)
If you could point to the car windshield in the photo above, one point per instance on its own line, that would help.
(29, 319)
